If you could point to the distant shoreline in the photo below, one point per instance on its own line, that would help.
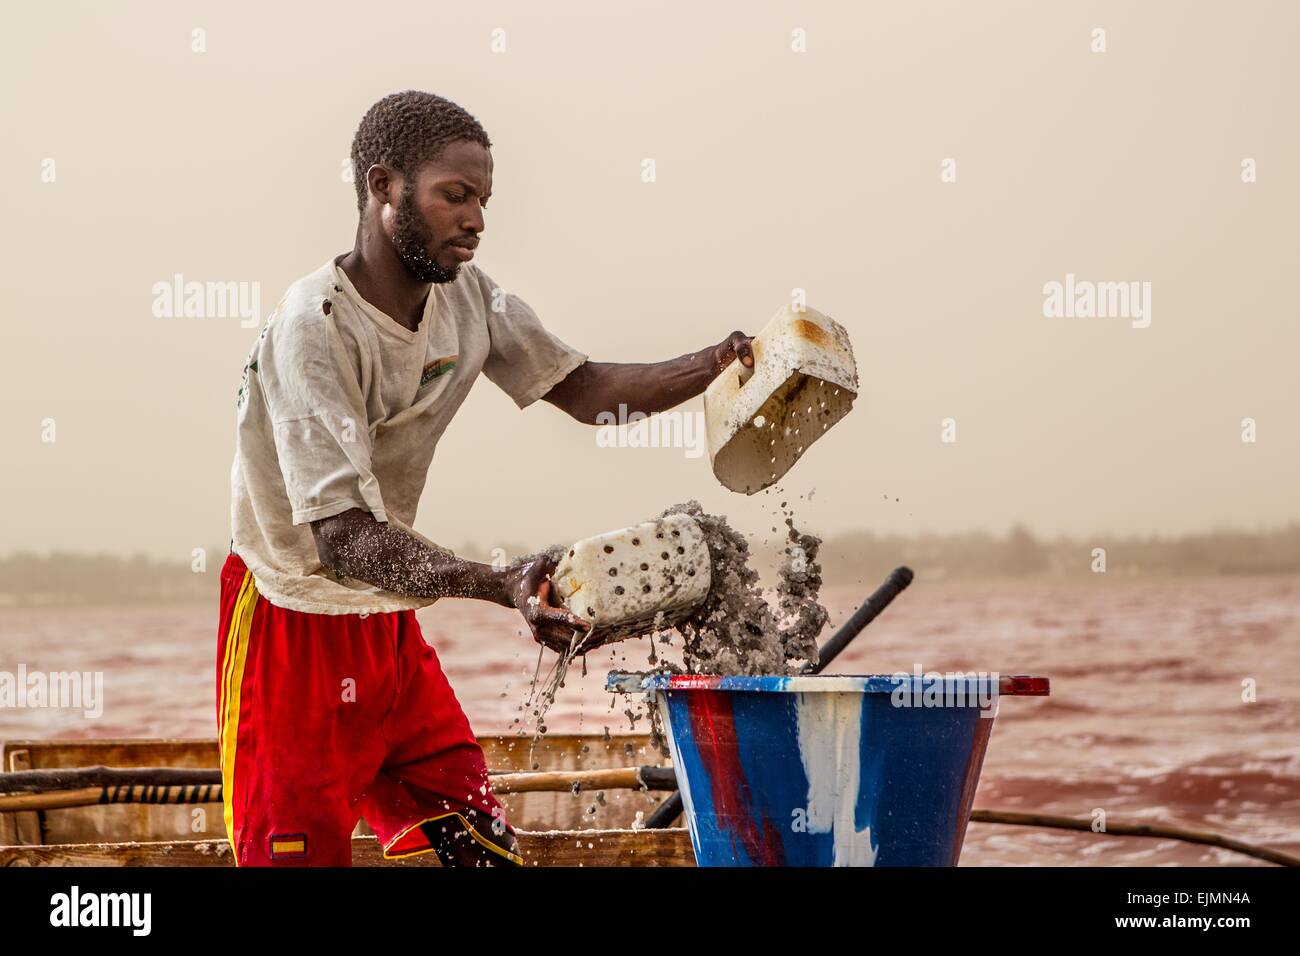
(849, 560)
(852, 580)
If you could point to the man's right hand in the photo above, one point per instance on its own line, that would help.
(529, 585)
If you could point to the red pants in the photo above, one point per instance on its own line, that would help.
(325, 718)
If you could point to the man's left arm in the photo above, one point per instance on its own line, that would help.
(647, 387)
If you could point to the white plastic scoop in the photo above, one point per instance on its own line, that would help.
(761, 420)
(622, 580)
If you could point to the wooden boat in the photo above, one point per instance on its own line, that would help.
(579, 806)
(574, 800)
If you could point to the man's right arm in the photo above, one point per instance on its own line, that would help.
(353, 543)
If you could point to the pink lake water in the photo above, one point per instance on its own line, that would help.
(1146, 720)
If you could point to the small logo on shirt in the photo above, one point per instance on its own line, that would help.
(250, 367)
(437, 368)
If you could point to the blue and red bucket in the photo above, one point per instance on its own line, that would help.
(835, 770)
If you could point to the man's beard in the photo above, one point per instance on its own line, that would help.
(411, 239)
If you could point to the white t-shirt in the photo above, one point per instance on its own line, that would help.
(341, 407)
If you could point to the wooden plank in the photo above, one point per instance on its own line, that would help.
(8, 830)
(669, 847)
(26, 826)
(121, 752)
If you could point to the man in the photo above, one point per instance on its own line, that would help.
(330, 705)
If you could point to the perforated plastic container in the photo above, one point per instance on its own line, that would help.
(622, 580)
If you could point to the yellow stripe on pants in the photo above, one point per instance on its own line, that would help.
(241, 623)
(228, 656)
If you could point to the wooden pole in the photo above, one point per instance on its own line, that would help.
(93, 796)
(617, 778)
(72, 778)
(147, 785)
(1012, 818)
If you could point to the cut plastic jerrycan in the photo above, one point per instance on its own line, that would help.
(761, 420)
(622, 580)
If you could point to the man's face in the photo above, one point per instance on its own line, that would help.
(438, 216)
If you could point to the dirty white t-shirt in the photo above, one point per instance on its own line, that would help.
(341, 407)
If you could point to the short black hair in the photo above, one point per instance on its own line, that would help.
(404, 130)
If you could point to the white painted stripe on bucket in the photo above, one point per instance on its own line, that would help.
(830, 737)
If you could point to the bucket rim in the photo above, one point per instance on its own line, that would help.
(1018, 685)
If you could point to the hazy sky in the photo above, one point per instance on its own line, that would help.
(776, 170)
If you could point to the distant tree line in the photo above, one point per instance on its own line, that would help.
(65, 578)
(847, 558)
